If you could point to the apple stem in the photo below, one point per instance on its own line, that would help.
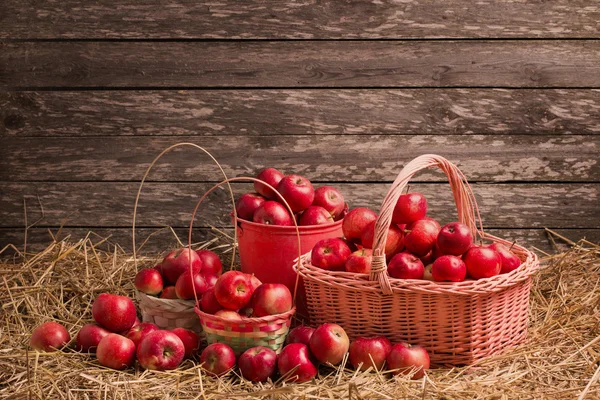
(512, 245)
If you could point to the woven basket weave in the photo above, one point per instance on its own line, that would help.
(458, 323)
(269, 331)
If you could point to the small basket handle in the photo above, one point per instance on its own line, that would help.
(235, 221)
(466, 206)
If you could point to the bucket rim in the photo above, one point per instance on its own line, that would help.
(292, 228)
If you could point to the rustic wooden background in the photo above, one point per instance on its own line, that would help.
(343, 92)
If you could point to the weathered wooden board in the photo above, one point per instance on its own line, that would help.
(336, 158)
(301, 112)
(160, 241)
(300, 19)
(104, 204)
(530, 63)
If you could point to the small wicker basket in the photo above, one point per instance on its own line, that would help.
(458, 323)
(269, 331)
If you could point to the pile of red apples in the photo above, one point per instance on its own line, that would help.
(417, 247)
(310, 206)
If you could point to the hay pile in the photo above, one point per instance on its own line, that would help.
(560, 361)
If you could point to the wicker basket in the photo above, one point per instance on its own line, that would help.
(458, 323)
(269, 331)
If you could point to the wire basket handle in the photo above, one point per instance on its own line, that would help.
(466, 206)
(137, 198)
(235, 221)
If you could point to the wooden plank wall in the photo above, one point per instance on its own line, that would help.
(343, 92)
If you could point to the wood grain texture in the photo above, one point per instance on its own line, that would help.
(334, 158)
(532, 63)
(159, 242)
(301, 112)
(300, 19)
(103, 204)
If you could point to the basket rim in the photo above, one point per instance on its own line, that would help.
(156, 299)
(468, 287)
(245, 320)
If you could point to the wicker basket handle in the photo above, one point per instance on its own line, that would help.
(235, 220)
(466, 205)
(137, 198)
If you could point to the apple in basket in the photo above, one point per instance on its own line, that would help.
(169, 293)
(315, 215)
(209, 303)
(406, 266)
(410, 207)
(272, 213)
(233, 290)
(394, 242)
(300, 334)
(421, 236)
(454, 239)
(510, 261)
(113, 312)
(368, 352)
(448, 268)
(355, 221)
(271, 299)
(211, 263)
(246, 205)
(330, 254)
(160, 350)
(406, 359)
(178, 261)
(258, 364)
(359, 261)
(482, 262)
(138, 332)
(116, 351)
(49, 336)
(190, 285)
(229, 315)
(294, 364)
(190, 340)
(89, 336)
(149, 281)
(297, 191)
(271, 176)
(329, 343)
(331, 200)
(217, 359)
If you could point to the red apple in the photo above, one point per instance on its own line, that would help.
(258, 364)
(300, 334)
(421, 236)
(329, 343)
(330, 254)
(247, 204)
(229, 315)
(138, 332)
(297, 191)
(482, 262)
(315, 215)
(160, 350)
(89, 336)
(169, 293)
(410, 207)
(294, 363)
(211, 263)
(359, 261)
(158, 267)
(405, 266)
(254, 282)
(211, 280)
(179, 261)
(49, 336)
(149, 281)
(272, 213)
(448, 269)
(510, 261)
(271, 176)
(394, 242)
(271, 299)
(454, 239)
(113, 312)
(190, 340)
(116, 351)
(406, 359)
(331, 200)
(355, 221)
(217, 359)
(209, 303)
(233, 290)
(369, 352)
(188, 282)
